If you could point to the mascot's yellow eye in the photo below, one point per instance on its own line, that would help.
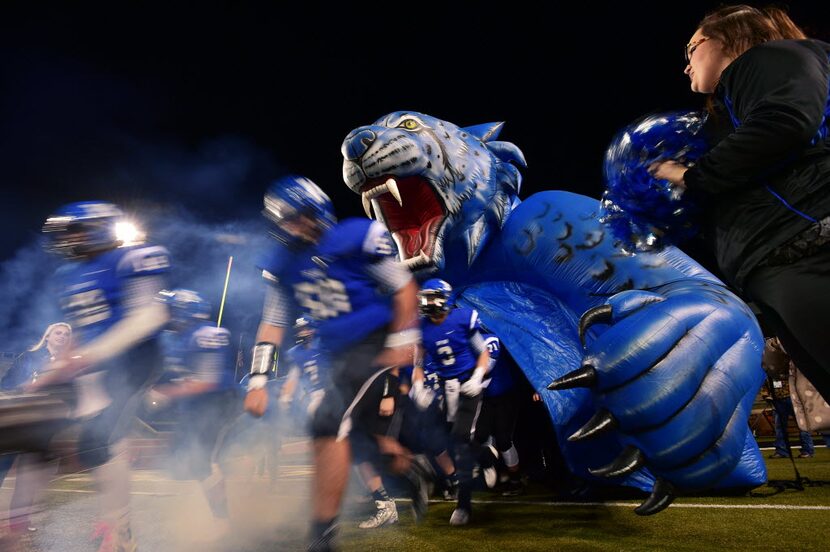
(409, 124)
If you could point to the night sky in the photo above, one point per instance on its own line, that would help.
(147, 104)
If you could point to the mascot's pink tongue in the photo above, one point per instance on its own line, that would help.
(415, 239)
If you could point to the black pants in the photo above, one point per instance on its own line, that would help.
(795, 302)
(465, 447)
(498, 418)
(350, 371)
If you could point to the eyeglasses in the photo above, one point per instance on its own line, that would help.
(692, 46)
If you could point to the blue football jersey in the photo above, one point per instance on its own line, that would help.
(311, 364)
(448, 347)
(331, 283)
(501, 380)
(93, 291)
(202, 353)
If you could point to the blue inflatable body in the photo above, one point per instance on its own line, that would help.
(659, 393)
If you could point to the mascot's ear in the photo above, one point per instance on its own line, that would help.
(508, 152)
(485, 132)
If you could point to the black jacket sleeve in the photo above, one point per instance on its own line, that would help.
(17, 374)
(776, 93)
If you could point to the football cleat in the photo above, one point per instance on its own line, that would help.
(450, 492)
(514, 487)
(386, 514)
(488, 471)
(459, 517)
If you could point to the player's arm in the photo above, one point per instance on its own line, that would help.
(396, 280)
(479, 345)
(144, 316)
(159, 396)
(404, 331)
(207, 368)
(276, 316)
(475, 384)
(184, 388)
(421, 395)
(483, 362)
(290, 386)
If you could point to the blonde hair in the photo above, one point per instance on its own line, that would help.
(42, 343)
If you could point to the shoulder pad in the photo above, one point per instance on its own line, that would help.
(472, 316)
(378, 242)
(144, 261)
(490, 338)
(211, 337)
(274, 261)
(493, 345)
(356, 236)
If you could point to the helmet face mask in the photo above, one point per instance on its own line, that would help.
(304, 331)
(434, 298)
(432, 305)
(298, 211)
(83, 229)
(303, 228)
(186, 308)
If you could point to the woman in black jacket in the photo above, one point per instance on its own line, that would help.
(767, 182)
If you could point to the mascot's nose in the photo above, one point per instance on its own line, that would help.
(357, 142)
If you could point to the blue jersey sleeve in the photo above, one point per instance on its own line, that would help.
(476, 334)
(377, 243)
(359, 237)
(143, 261)
(210, 357)
(493, 347)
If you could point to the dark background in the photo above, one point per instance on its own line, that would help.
(201, 105)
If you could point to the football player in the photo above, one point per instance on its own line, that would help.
(497, 421)
(198, 379)
(307, 369)
(455, 350)
(109, 295)
(344, 275)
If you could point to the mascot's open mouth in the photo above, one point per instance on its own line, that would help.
(411, 211)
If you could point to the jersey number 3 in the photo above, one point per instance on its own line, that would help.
(445, 352)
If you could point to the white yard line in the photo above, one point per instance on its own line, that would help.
(635, 504)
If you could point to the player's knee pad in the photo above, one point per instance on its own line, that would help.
(510, 456)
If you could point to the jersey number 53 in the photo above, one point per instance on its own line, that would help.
(324, 298)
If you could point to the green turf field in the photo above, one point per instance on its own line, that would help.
(531, 522)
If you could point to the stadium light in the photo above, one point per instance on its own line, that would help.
(128, 233)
